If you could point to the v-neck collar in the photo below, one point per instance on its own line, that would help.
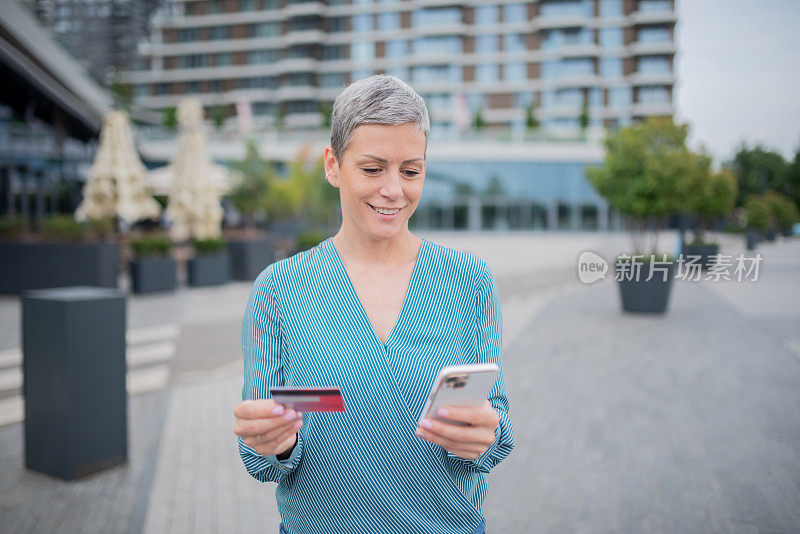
(360, 306)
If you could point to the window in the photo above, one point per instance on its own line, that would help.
(548, 99)
(397, 48)
(653, 95)
(566, 8)
(141, 91)
(337, 24)
(332, 79)
(389, 21)
(619, 96)
(486, 14)
(486, 72)
(193, 87)
(653, 34)
(334, 52)
(654, 5)
(515, 13)
(437, 45)
(611, 37)
(220, 33)
(569, 97)
(555, 39)
(610, 8)
(360, 74)
(611, 67)
(362, 51)
(654, 65)
(266, 29)
(595, 97)
(303, 106)
(304, 23)
(263, 108)
(193, 61)
(436, 73)
(515, 71)
(362, 22)
(262, 56)
(485, 44)
(439, 16)
(189, 34)
(439, 101)
(299, 78)
(513, 42)
(525, 99)
(223, 59)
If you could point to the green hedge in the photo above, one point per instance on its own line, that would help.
(151, 245)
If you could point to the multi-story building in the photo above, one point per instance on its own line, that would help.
(102, 33)
(575, 62)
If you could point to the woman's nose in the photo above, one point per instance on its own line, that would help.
(392, 187)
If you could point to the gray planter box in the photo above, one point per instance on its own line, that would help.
(752, 238)
(646, 296)
(74, 380)
(150, 275)
(248, 257)
(704, 251)
(209, 269)
(27, 266)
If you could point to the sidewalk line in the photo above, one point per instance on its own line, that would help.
(146, 334)
(150, 353)
(11, 378)
(147, 379)
(10, 357)
(12, 410)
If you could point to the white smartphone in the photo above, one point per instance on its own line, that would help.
(460, 385)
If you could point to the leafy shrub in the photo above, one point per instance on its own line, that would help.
(61, 227)
(310, 238)
(208, 246)
(758, 212)
(11, 225)
(151, 245)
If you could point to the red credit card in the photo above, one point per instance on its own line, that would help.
(325, 399)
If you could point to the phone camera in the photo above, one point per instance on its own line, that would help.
(456, 381)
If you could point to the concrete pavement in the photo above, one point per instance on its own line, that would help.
(683, 423)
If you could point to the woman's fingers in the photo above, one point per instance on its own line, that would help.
(464, 435)
(273, 444)
(256, 427)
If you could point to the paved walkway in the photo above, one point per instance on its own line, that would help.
(684, 423)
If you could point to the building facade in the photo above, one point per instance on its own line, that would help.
(558, 64)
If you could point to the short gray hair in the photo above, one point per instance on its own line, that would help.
(378, 99)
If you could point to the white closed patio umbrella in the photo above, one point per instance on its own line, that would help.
(116, 182)
(194, 208)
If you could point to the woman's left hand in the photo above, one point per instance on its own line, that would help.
(467, 442)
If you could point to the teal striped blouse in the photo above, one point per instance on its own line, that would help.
(305, 326)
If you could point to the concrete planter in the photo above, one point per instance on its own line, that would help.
(647, 296)
(248, 257)
(752, 238)
(209, 269)
(704, 251)
(150, 275)
(27, 266)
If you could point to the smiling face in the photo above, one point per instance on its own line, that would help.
(383, 170)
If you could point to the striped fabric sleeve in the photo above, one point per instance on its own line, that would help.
(489, 332)
(261, 348)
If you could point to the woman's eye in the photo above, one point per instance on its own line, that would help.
(371, 171)
(412, 174)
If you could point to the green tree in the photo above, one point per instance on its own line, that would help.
(793, 179)
(218, 115)
(584, 117)
(478, 123)
(531, 122)
(646, 175)
(783, 212)
(256, 177)
(494, 187)
(757, 212)
(326, 109)
(170, 118)
(757, 170)
(712, 194)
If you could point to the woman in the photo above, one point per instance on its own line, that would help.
(376, 311)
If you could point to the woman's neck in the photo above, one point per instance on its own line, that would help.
(361, 249)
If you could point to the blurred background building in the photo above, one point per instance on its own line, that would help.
(51, 112)
(519, 93)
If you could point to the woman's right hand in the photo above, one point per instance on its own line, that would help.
(266, 426)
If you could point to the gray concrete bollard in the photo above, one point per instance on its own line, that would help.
(73, 342)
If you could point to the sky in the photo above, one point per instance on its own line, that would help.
(738, 74)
